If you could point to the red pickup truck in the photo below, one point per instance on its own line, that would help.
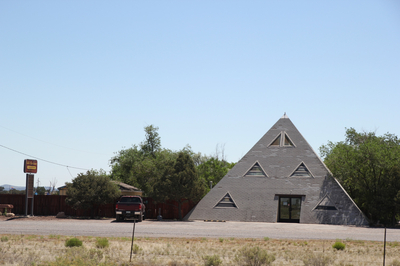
(130, 207)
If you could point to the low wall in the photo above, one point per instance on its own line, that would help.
(53, 204)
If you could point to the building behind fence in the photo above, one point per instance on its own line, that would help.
(53, 204)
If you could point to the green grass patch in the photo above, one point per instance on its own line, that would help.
(73, 242)
(102, 243)
(249, 256)
(135, 249)
(213, 260)
(319, 259)
(339, 245)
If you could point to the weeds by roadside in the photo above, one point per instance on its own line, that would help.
(254, 256)
(339, 245)
(73, 242)
(52, 250)
(317, 259)
(102, 242)
(213, 260)
(395, 262)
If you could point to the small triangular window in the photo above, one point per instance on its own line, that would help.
(256, 170)
(301, 171)
(277, 141)
(226, 202)
(282, 140)
(326, 204)
(288, 142)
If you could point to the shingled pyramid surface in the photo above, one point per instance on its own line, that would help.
(281, 179)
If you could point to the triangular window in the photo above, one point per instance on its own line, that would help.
(226, 202)
(301, 171)
(277, 141)
(326, 204)
(282, 140)
(287, 141)
(256, 170)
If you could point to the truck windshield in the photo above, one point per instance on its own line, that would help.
(128, 199)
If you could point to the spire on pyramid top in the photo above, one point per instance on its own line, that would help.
(285, 116)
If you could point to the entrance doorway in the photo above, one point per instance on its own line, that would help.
(289, 209)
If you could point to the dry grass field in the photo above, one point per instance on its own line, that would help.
(52, 250)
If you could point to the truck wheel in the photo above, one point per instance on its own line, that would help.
(119, 218)
(144, 216)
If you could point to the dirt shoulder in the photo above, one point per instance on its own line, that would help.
(31, 218)
(46, 218)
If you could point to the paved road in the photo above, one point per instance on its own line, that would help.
(151, 228)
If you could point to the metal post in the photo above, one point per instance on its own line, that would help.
(33, 196)
(26, 196)
(133, 236)
(384, 248)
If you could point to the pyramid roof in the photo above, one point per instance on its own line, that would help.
(280, 164)
(280, 161)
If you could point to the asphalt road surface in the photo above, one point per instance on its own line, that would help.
(151, 228)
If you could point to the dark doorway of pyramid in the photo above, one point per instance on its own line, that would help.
(289, 209)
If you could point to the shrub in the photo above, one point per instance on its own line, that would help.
(4, 239)
(171, 263)
(254, 256)
(102, 242)
(73, 242)
(339, 245)
(266, 238)
(78, 257)
(395, 263)
(135, 249)
(318, 259)
(214, 260)
(95, 254)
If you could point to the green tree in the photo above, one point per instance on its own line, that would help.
(213, 170)
(368, 167)
(41, 190)
(1, 189)
(90, 190)
(123, 165)
(152, 143)
(134, 167)
(180, 182)
(15, 191)
(142, 167)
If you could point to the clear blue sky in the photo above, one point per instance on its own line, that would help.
(81, 79)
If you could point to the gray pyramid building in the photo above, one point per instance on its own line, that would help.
(281, 179)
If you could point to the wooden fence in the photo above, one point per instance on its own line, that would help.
(53, 204)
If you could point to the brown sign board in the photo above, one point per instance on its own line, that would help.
(30, 181)
(30, 166)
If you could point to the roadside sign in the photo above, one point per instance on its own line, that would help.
(29, 188)
(30, 166)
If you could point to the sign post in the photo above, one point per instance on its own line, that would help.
(30, 168)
